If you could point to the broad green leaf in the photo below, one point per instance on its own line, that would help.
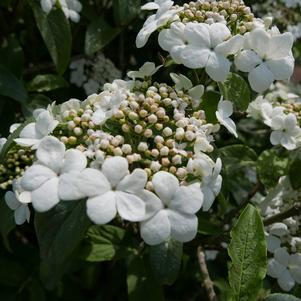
(206, 226)
(106, 243)
(165, 260)
(36, 291)
(248, 253)
(98, 35)
(56, 33)
(59, 233)
(11, 86)
(46, 82)
(125, 11)
(12, 56)
(282, 297)
(271, 165)
(141, 283)
(209, 104)
(294, 170)
(7, 221)
(235, 89)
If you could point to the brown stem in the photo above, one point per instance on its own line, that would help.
(295, 210)
(207, 282)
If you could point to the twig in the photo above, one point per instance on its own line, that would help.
(207, 280)
(295, 210)
(243, 204)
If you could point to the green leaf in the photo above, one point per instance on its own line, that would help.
(106, 243)
(282, 297)
(235, 89)
(11, 86)
(141, 283)
(35, 101)
(294, 171)
(165, 260)
(125, 11)
(59, 233)
(56, 33)
(7, 222)
(46, 82)
(271, 165)
(12, 56)
(248, 253)
(209, 104)
(98, 35)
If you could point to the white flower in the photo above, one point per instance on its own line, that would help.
(199, 45)
(184, 83)
(91, 86)
(209, 171)
(118, 192)
(286, 268)
(2, 143)
(172, 213)
(255, 107)
(47, 5)
(34, 132)
(51, 179)
(18, 201)
(156, 4)
(224, 111)
(267, 57)
(285, 131)
(147, 70)
(152, 23)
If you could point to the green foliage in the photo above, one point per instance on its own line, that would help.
(98, 35)
(46, 82)
(7, 222)
(248, 253)
(165, 260)
(209, 104)
(271, 165)
(141, 283)
(235, 89)
(107, 243)
(125, 11)
(55, 31)
(281, 297)
(59, 233)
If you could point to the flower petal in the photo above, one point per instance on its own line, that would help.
(35, 176)
(29, 131)
(281, 45)
(231, 46)
(157, 229)
(21, 215)
(51, 153)
(282, 68)
(197, 34)
(11, 200)
(275, 269)
(102, 209)
(276, 137)
(133, 183)
(152, 203)
(28, 142)
(209, 197)
(45, 123)
(194, 57)
(218, 67)
(286, 281)
(273, 243)
(247, 60)
(183, 226)
(130, 207)
(259, 40)
(288, 142)
(168, 38)
(282, 256)
(75, 160)
(261, 78)
(218, 33)
(165, 186)
(148, 28)
(46, 196)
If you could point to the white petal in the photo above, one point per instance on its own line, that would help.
(296, 274)
(273, 243)
(29, 131)
(147, 69)
(225, 108)
(209, 197)
(282, 256)
(194, 57)
(129, 206)
(278, 229)
(46, 196)
(247, 60)
(115, 169)
(165, 186)
(188, 199)
(51, 153)
(196, 93)
(261, 78)
(286, 281)
(157, 229)
(145, 32)
(231, 46)
(152, 203)
(218, 33)
(28, 142)
(275, 269)
(281, 45)
(181, 81)
(21, 215)
(11, 200)
(25, 197)
(74, 160)
(183, 226)
(46, 5)
(99, 117)
(150, 6)
(45, 123)
(218, 67)
(276, 137)
(198, 34)
(288, 142)
(133, 183)
(35, 176)
(168, 38)
(259, 41)
(228, 123)
(72, 104)
(102, 209)
(282, 68)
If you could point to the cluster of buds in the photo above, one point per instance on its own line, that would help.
(234, 14)
(293, 107)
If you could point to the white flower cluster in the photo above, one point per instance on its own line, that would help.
(284, 120)
(71, 8)
(136, 151)
(93, 73)
(283, 239)
(265, 54)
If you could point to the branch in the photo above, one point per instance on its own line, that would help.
(207, 280)
(243, 204)
(294, 211)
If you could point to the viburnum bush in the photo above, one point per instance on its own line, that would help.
(178, 181)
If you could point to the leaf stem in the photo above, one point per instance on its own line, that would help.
(207, 282)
